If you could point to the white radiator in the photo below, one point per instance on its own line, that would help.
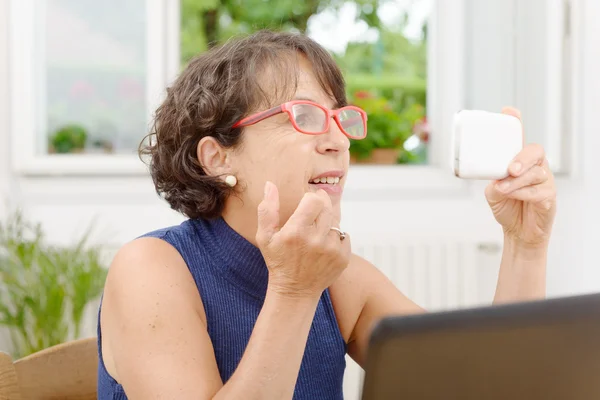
(437, 274)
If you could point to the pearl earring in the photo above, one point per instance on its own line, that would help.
(231, 180)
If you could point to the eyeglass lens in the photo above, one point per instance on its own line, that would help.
(312, 119)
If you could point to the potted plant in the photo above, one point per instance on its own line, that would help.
(68, 139)
(101, 145)
(44, 289)
(387, 129)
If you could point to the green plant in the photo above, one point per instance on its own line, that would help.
(388, 125)
(68, 139)
(44, 289)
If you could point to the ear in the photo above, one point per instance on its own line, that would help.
(213, 157)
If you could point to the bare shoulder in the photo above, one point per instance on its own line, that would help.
(145, 261)
(153, 268)
(153, 323)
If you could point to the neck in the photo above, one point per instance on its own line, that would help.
(241, 221)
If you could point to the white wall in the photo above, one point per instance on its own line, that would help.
(5, 177)
(585, 195)
(575, 257)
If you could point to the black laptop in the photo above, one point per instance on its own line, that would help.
(546, 349)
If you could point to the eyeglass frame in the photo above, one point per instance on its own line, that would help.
(287, 108)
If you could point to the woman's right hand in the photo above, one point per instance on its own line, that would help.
(304, 256)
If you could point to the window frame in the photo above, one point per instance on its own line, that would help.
(26, 64)
(446, 95)
(446, 91)
(543, 87)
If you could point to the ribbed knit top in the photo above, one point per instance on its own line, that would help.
(231, 276)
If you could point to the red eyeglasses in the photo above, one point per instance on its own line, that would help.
(313, 119)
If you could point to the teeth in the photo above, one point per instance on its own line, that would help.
(329, 180)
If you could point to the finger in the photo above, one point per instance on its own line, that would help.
(534, 176)
(324, 220)
(337, 218)
(307, 211)
(334, 239)
(530, 156)
(346, 246)
(268, 214)
(511, 111)
(541, 195)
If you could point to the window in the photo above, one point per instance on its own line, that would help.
(93, 76)
(87, 77)
(55, 83)
(381, 47)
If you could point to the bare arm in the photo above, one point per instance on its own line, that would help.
(380, 298)
(522, 273)
(270, 366)
(522, 277)
(156, 343)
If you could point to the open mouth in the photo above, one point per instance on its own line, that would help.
(330, 180)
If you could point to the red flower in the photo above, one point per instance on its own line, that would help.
(421, 129)
(362, 94)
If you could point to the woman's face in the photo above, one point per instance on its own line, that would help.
(272, 150)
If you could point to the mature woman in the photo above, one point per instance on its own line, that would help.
(257, 295)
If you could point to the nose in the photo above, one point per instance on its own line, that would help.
(333, 140)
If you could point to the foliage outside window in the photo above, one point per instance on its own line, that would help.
(385, 69)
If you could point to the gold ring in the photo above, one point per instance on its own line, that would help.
(342, 234)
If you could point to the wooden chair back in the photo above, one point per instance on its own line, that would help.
(67, 371)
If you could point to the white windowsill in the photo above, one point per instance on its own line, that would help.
(81, 165)
(364, 182)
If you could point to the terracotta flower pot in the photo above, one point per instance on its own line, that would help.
(77, 150)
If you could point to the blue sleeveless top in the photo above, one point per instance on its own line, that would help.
(231, 276)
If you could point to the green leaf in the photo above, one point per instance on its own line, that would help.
(44, 289)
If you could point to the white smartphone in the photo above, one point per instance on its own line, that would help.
(484, 144)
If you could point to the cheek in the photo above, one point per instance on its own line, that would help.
(289, 167)
(282, 158)
(285, 156)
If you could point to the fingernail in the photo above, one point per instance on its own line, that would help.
(516, 166)
(267, 189)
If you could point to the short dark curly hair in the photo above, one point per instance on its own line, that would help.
(216, 89)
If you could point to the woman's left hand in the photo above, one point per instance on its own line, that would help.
(524, 203)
